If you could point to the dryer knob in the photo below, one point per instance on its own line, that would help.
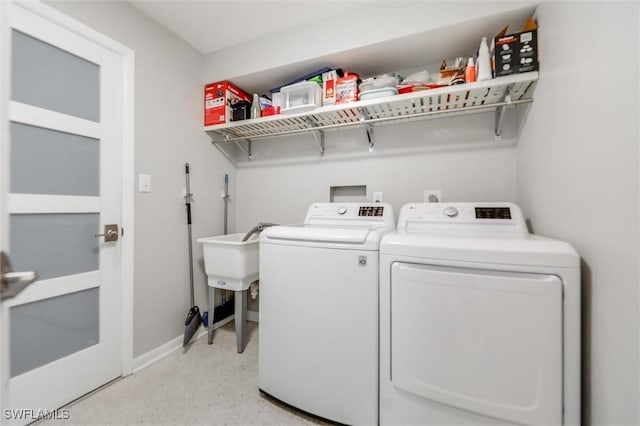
(342, 210)
(451, 211)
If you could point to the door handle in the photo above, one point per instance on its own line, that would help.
(110, 233)
(12, 283)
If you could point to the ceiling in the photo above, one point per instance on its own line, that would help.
(209, 25)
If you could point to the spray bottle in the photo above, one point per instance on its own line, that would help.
(470, 72)
(483, 66)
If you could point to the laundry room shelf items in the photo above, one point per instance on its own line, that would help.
(495, 94)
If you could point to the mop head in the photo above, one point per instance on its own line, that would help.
(191, 325)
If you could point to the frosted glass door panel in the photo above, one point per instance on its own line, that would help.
(50, 329)
(55, 245)
(48, 77)
(45, 161)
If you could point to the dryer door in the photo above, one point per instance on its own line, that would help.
(489, 342)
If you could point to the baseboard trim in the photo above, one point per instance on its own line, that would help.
(155, 355)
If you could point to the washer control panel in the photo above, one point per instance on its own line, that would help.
(351, 214)
(371, 211)
(493, 212)
(451, 211)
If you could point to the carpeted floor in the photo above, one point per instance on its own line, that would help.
(204, 385)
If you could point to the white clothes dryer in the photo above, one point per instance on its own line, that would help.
(479, 320)
(318, 334)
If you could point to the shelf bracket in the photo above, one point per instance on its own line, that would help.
(246, 151)
(368, 128)
(500, 112)
(370, 138)
(318, 135)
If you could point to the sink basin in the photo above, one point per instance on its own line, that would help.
(229, 262)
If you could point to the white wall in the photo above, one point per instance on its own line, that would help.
(577, 180)
(281, 193)
(168, 131)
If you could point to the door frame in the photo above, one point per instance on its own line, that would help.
(128, 164)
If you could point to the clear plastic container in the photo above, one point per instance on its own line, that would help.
(300, 97)
(380, 82)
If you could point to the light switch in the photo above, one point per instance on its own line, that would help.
(144, 183)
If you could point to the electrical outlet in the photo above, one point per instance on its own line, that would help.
(433, 195)
(377, 197)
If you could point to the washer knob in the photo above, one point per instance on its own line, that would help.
(342, 210)
(451, 211)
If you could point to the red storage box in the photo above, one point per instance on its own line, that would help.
(218, 100)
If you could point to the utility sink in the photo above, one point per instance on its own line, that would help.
(230, 263)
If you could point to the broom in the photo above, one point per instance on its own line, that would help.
(193, 320)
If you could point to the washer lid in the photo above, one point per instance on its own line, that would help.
(361, 238)
(356, 226)
(320, 234)
(528, 250)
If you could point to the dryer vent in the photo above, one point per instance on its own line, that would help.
(348, 194)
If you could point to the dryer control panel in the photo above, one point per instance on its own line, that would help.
(463, 217)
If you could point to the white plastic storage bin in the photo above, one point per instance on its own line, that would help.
(300, 97)
(377, 93)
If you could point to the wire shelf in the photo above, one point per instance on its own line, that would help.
(464, 98)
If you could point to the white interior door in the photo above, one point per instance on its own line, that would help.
(62, 334)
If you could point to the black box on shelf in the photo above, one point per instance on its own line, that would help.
(517, 53)
(241, 110)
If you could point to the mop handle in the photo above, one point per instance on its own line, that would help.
(226, 201)
(188, 196)
(188, 204)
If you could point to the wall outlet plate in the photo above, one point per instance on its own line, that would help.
(433, 196)
(144, 183)
(377, 197)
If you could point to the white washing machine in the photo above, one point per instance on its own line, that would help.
(318, 333)
(479, 320)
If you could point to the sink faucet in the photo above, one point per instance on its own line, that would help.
(258, 228)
